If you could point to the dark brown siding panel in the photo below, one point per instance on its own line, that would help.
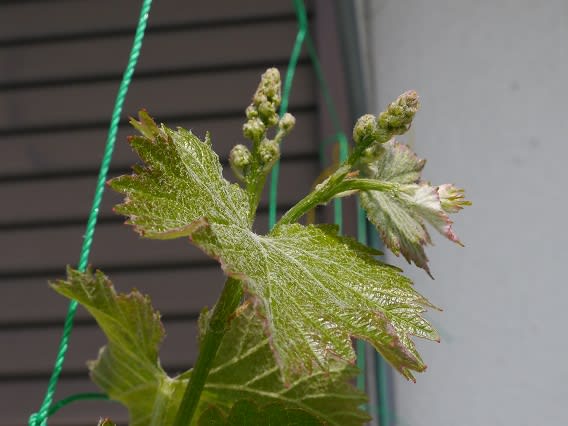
(60, 67)
(23, 346)
(29, 154)
(60, 198)
(192, 94)
(63, 18)
(198, 285)
(22, 397)
(175, 51)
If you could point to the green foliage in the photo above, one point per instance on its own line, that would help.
(316, 289)
(400, 212)
(128, 368)
(245, 368)
(285, 356)
(247, 413)
(182, 182)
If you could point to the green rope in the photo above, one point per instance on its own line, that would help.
(40, 418)
(292, 65)
(303, 34)
(341, 138)
(91, 396)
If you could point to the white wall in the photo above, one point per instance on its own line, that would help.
(493, 78)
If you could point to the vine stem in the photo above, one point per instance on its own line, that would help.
(218, 325)
(336, 184)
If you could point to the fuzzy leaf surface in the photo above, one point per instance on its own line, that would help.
(400, 214)
(316, 289)
(127, 368)
(245, 368)
(182, 181)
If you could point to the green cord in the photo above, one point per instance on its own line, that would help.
(40, 418)
(91, 396)
(341, 138)
(303, 34)
(293, 63)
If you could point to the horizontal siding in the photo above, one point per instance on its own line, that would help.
(201, 283)
(25, 22)
(59, 198)
(22, 346)
(114, 244)
(60, 67)
(196, 95)
(180, 50)
(22, 397)
(29, 155)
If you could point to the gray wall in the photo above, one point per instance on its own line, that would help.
(492, 77)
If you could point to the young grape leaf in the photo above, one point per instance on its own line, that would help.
(128, 368)
(247, 413)
(316, 289)
(400, 214)
(181, 182)
(245, 368)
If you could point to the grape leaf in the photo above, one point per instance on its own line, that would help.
(247, 413)
(182, 182)
(128, 368)
(316, 289)
(400, 214)
(245, 368)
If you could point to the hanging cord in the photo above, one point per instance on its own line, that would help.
(302, 18)
(91, 396)
(40, 418)
(339, 134)
(304, 35)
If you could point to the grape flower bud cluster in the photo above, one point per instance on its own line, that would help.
(395, 120)
(262, 114)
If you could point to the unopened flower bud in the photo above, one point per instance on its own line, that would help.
(269, 153)
(452, 198)
(251, 112)
(276, 99)
(270, 82)
(240, 159)
(287, 123)
(365, 129)
(410, 99)
(399, 114)
(267, 112)
(259, 97)
(254, 129)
